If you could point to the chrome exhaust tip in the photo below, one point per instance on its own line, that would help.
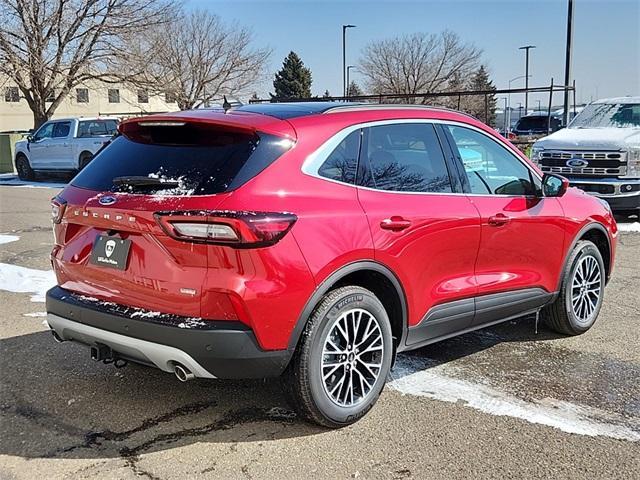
(56, 337)
(183, 373)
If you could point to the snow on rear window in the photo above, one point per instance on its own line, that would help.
(180, 169)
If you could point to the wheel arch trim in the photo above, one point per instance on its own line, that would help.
(577, 237)
(336, 276)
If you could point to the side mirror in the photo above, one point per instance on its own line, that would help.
(554, 185)
(29, 138)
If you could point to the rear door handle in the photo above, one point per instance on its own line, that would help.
(498, 220)
(395, 223)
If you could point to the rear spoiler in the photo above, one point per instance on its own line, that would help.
(232, 121)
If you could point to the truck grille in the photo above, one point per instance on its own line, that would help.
(598, 163)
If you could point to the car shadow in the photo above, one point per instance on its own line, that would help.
(56, 402)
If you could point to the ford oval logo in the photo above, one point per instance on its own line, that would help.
(107, 200)
(577, 163)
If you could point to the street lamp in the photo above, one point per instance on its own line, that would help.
(349, 67)
(567, 64)
(526, 48)
(344, 58)
(505, 130)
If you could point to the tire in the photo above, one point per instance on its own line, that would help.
(583, 279)
(85, 158)
(324, 400)
(25, 172)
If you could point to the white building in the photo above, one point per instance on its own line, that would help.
(92, 99)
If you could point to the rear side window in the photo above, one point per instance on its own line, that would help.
(97, 128)
(342, 164)
(179, 163)
(404, 158)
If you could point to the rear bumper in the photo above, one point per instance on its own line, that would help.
(221, 349)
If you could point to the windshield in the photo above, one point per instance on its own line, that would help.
(608, 115)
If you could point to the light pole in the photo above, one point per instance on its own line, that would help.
(539, 107)
(526, 48)
(567, 63)
(344, 58)
(509, 95)
(504, 118)
(349, 67)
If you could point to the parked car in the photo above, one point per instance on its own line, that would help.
(315, 241)
(535, 125)
(62, 145)
(599, 152)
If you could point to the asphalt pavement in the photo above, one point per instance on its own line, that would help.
(513, 401)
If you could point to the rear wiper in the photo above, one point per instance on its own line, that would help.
(142, 181)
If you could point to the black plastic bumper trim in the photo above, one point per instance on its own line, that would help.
(226, 349)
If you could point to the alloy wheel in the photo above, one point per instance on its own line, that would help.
(586, 288)
(352, 357)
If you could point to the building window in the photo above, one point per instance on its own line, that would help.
(170, 97)
(51, 97)
(11, 94)
(143, 96)
(82, 95)
(114, 95)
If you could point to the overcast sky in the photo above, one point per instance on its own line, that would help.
(606, 59)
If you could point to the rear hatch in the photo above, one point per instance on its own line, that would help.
(110, 245)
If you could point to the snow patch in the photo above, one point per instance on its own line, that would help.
(14, 181)
(35, 314)
(192, 323)
(26, 280)
(629, 227)
(412, 376)
(8, 238)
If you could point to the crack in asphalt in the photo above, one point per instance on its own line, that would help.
(132, 454)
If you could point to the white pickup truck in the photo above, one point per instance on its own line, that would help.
(599, 152)
(62, 145)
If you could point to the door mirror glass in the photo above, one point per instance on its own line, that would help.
(554, 185)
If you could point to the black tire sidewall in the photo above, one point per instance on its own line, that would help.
(333, 412)
(85, 159)
(25, 172)
(586, 249)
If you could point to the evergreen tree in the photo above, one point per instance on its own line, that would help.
(353, 90)
(478, 108)
(293, 80)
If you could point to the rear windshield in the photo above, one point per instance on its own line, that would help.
(531, 123)
(97, 128)
(222, 163)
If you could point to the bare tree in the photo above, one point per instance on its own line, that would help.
(48, 47)
(417, 63)
(197, 59)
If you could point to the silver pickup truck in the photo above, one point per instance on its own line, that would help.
(599, 152)
(63, 145)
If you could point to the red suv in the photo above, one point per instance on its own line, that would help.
(315, 240)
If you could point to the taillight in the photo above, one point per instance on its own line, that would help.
(234, 229)
(58, 206)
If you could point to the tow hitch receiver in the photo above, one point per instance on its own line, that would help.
(101, 352)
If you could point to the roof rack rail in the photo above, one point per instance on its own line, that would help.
(384, 106)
